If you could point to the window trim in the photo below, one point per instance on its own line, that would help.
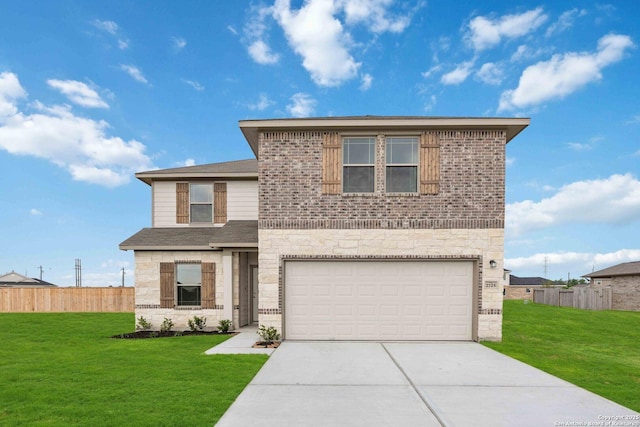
(191, 203)
(373, 141)
(178, 285)
(415, 166)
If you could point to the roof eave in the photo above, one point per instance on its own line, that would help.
(251, 128)
(148, 178)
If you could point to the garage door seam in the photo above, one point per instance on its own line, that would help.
(424, 400)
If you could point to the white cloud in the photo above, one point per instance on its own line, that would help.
(319, 38)
(614, 200)
(510, 161)
(262, 54)
(490, 73)
(123, 44)
(366, 81)
(10, 92)
(232, 30)
(178, 43)
(78, 93)
(565, 21)
(563, 262)
(485, 33)
(262, 104)
(108, 26)
(194, 84)
(134, 72)
(431, 103)
(302, 105)
(35, 212)
(78, 144)
(374, 14)
(458, 75)
(436, 68)
(564, 74)
(186, 162)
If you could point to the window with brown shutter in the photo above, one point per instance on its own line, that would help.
(331, 163)
(220, 202)
(167, 283)
(208, 285)
(182, 203)
(429, 163)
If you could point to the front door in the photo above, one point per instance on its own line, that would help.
(253, 294)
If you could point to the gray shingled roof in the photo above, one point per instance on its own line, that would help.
(237, 168)
(232, 234)
(526, 281)
(624, 269)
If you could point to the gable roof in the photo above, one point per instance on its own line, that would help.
(624, 269)
(233, 234)
(235, 169)
(251, 128)
(17, 280)
(526, 281)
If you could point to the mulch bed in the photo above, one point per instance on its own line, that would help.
(158, 334)
(263, 344)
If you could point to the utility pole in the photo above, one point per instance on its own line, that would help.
(546, 260)
(78, 273)
(40, 268)
(123, 277)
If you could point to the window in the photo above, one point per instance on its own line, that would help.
(188, 283)
(201, 203)
(402, 164)
(358, 160)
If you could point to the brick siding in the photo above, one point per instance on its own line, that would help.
(471, 192)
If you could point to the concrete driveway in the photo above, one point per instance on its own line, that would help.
(412, 384)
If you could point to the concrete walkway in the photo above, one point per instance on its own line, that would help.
(411, 384)
(241, 343)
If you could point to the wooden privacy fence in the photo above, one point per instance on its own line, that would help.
(15, 300)
(584, 298)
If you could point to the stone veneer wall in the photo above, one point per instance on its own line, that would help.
(147, 291)
(479, 244)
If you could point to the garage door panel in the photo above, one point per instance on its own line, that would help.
(378, 300)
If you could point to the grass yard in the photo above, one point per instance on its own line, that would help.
(62, 369)
(596, 350)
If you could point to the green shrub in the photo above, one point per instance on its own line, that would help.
(197, 323)
(224, 325)
(167, 324)
(143, 324)
(268, 335)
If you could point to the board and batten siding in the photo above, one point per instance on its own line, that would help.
(242, 202)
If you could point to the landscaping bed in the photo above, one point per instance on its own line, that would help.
(165, 334)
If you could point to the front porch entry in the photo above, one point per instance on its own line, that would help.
(248, 289)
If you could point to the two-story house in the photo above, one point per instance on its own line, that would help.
(345, 228)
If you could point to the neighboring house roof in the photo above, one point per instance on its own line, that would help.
(16, 280)
(251, 128)
(232, 234)
(235, 169)
(528, 281)
(624, 269)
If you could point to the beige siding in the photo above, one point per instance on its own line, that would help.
(164, 204)
(242, 200)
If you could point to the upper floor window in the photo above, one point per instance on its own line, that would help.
(402, 164)
(201, 202)
(358, 164)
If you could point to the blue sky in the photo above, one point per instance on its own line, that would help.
(92, 92)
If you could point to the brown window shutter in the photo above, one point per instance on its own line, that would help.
(220, 202)
(182, 203)
(429, 163)
(167, 284)
(208, 291)
(331, 163)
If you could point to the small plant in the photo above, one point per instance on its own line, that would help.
(224, 325)
(197, 323)
(167, 324)
(268, 335)
(143, 324)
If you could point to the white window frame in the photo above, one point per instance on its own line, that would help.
(415, 164)
(192, 203)
(178, 285)
(345, 164)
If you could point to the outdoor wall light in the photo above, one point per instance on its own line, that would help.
(493, 263)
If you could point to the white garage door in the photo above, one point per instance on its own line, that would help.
(378, 300)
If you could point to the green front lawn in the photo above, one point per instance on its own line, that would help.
(63, 369)
(596, 350)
